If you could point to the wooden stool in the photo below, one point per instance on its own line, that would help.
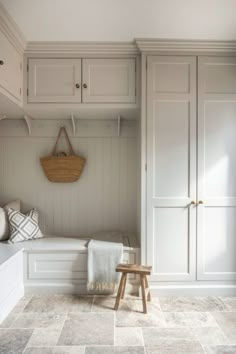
(143, 271)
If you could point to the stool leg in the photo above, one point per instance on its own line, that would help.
(123, 287)
(142, 280)
(119, 292)
(147, 287)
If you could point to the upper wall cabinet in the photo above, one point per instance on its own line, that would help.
(10, 69)
(54, 80)
(108, 80)
(81, 80)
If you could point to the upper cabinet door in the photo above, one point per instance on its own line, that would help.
(10, 68)
(54, 80)
(108, 81)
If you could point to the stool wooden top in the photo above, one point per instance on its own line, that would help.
(134, 269)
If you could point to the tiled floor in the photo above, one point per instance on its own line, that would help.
(65, 324)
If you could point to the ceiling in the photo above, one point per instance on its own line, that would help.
(123, 20)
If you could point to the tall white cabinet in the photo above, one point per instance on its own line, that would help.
(190, 114)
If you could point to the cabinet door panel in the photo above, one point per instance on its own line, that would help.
(54, 80)
(217, 169)
(109, 80)
(171, 242)
(171, 167)
(11, 70)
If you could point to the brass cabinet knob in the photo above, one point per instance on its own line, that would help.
(200, 202)
(193, 202)
(85, 86)
(77, 85)
(1, 62)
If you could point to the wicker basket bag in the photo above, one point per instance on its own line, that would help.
(60, 167)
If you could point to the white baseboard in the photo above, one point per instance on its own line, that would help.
(54, 288)
(7, 305)
(193, 290)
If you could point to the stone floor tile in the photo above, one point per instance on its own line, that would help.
(69, 350)
(59, 303)
(230, 303)
(227, 322)
(103, 303)
(39, 320)
(189, 319)
(220, 349)
(44, 337)
(12, 341)
(8, 320)
(88, 329)
(210, 336)
(80, 304)
(126, 336)
(176, 347)
(139, 319)
(155, 336)
(189, 304)
(55, 350)
(38, 350)
(114, 350)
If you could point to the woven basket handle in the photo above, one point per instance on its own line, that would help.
(68, 140)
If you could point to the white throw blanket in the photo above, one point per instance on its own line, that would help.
(103, 258)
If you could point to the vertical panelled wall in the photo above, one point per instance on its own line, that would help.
(104, 198)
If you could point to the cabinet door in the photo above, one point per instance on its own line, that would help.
(54, 80)
(171, 167)
(109, 80)
(217, 169)
(10, 68)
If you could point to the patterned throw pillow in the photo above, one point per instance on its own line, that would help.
(23, 227)
(4, 228)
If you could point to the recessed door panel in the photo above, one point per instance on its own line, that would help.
(220, 242)
(171, 76)
(171, 242)
(219, 149)
(171, 149)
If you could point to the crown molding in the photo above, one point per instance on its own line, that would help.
(176, 45)
(81, 48)
(11, 30)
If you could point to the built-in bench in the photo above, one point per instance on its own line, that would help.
(51, 264)
(59, 264)
(11, 277)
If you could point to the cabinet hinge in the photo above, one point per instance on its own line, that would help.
(27, 92)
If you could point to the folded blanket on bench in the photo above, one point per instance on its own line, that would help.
(103, 258)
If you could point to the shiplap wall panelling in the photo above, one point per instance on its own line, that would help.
(104, 198)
